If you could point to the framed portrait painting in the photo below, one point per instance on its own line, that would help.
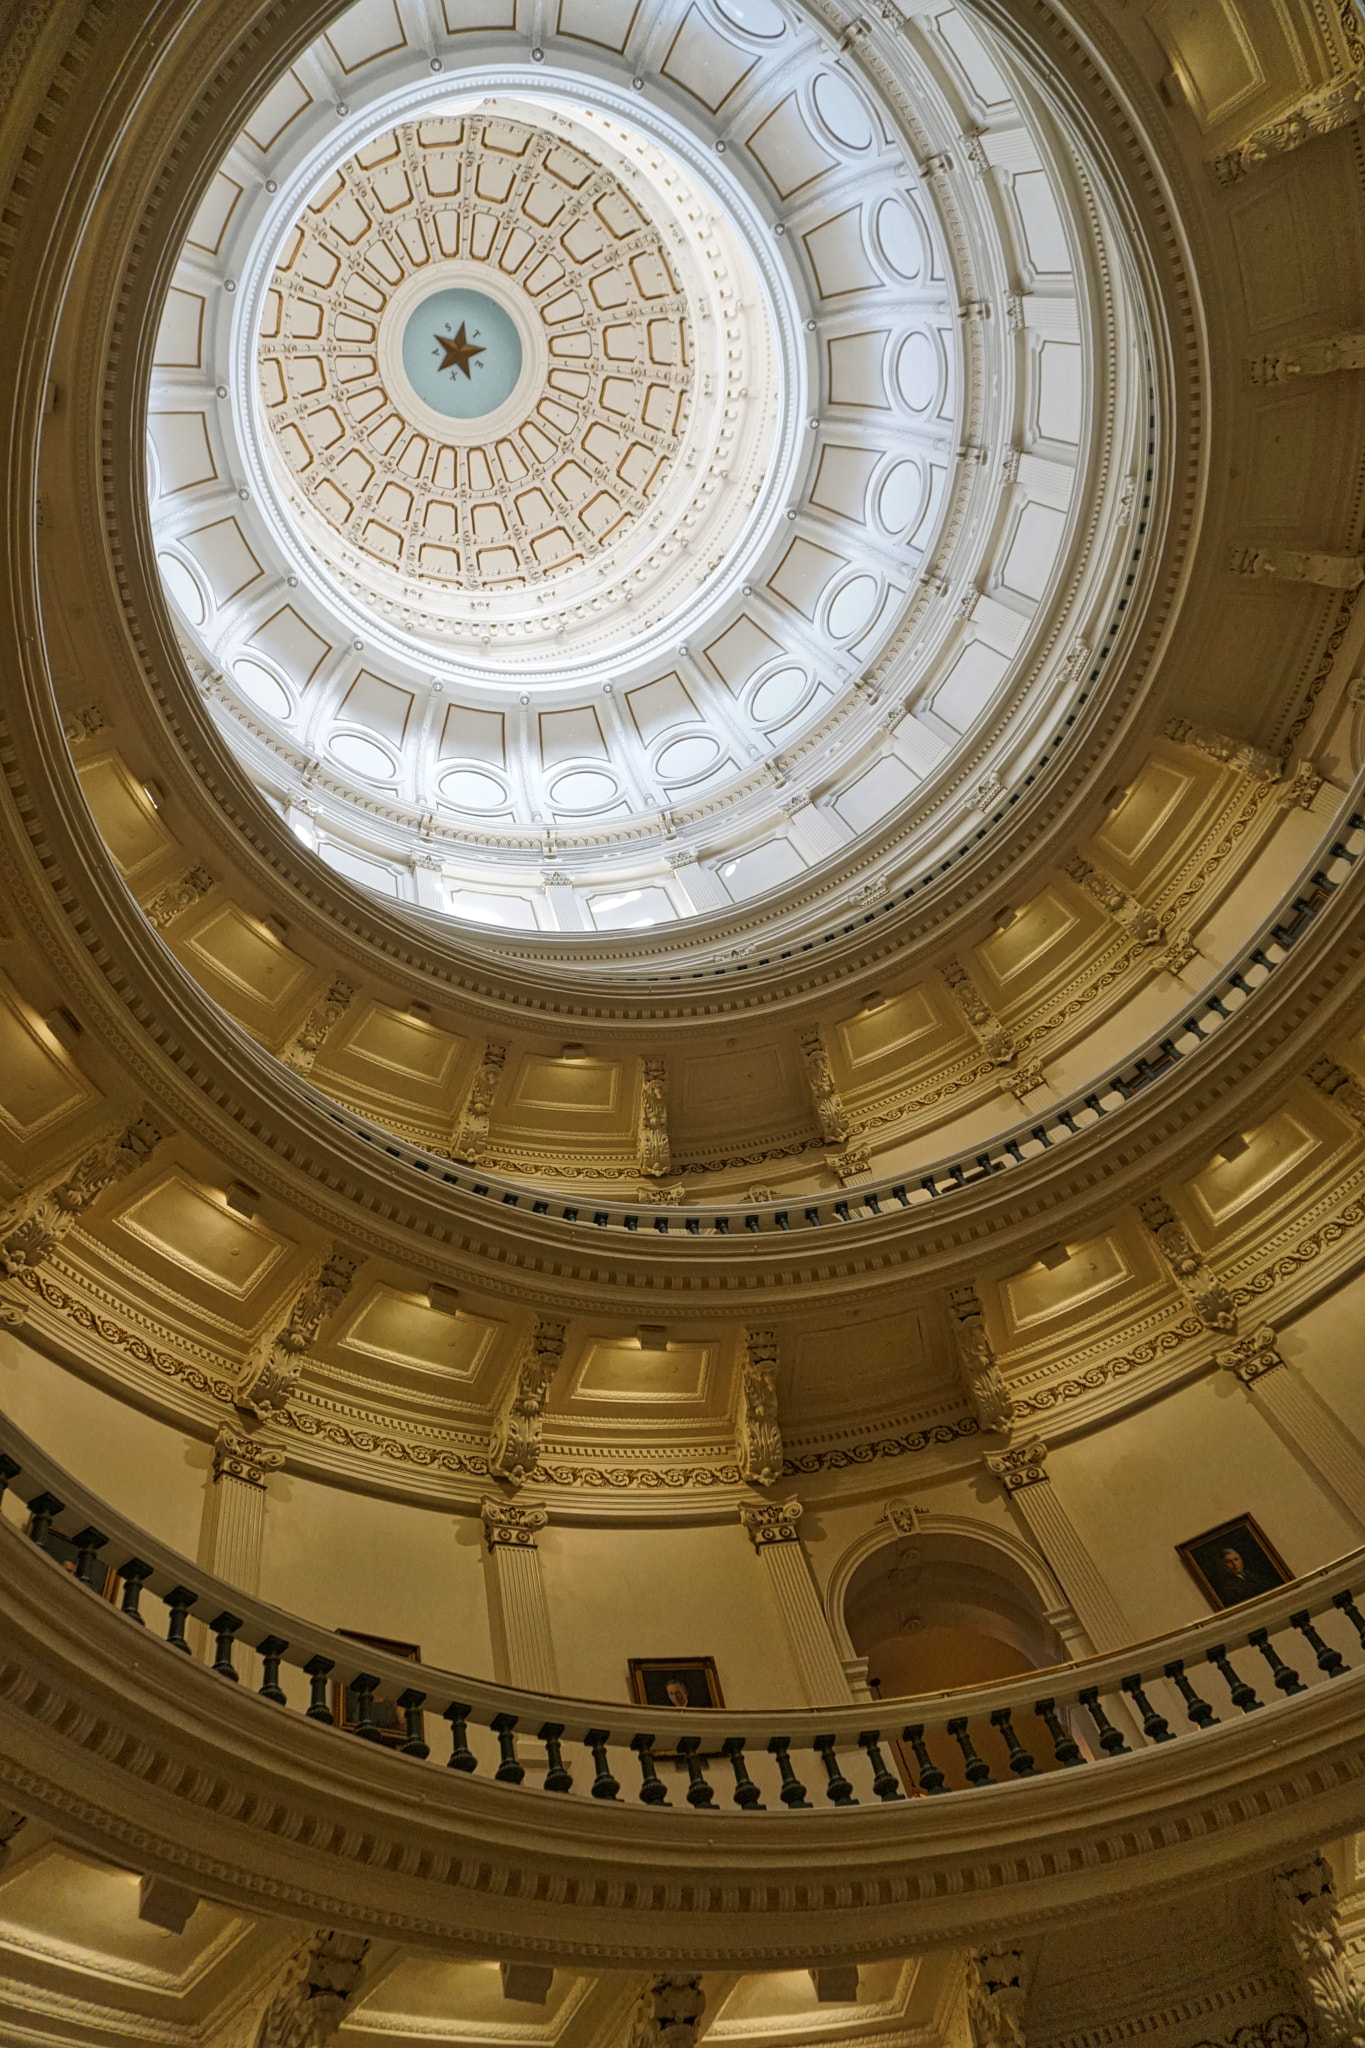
(1234, 1562)
(675, 1682)
(388, 1715)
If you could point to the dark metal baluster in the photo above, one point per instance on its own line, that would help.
(931, 1778)
(1286, 1678)
(651, 1785)
(838, 1790)
(133, 1574)
(43, 1507)
(883, 1781)
(1330, 1661)
(89, 1543)
(411, 1702)
(699, 1791)
(1154, 1726)
(746, 1792)
(364, 1686)
(8, 1470)
(1346, 1602)
(224, 1627)
(270, 1652)
(509, 1771)
(978, 1770)
(793, 1792)
(557, 1778)
(180, 1600)
(1064, 1747)
(1242, 1694)
(1200, 1712)
(461, 1756)
(604, 1786)
(1111, 1741)
(1021, 1763)
(318, 1669)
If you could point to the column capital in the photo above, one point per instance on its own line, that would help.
(509, 1526)
(1251, 1357)
(773, 1522)
(1023, 1465)
(236, 1456)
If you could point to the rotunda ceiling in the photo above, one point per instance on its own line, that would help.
(674, 470)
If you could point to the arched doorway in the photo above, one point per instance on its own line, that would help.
(938, 1610)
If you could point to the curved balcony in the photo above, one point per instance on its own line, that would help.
(1191, 1027)
(574, 1829)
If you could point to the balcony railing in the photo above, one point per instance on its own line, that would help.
(1192, 1027)
(1257, 1658)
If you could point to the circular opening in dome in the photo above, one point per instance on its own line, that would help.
(917, 371)
(185, 592)
(461, 352)
(519, 394)
(265, 691)
(754, 17)
(468, 789)
(685, 759)
(900, 238)
(853, 606)
(779, 696)
(841, 111)
(901, 497)
(363, 757)
(585, 789)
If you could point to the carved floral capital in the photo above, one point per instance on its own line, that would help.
(774, 1522)
(1023, 1465)
(508, 1526)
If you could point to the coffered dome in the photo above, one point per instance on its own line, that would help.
(680, 472)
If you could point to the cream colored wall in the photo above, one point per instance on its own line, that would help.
(1175, 1469)
(1132, 1490)
(153, 1474)
(348, 1560)
(1325, 1346)
(620, 1593)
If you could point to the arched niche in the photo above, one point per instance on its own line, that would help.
(934, 1604)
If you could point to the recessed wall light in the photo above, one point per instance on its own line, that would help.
(1005, 918)
(1056, 1255)
(63, 1025)
(445, 1300)
(1232, 1148)
(652, 1337)
(572, 1049)
(243, 1200)
(421, 1012)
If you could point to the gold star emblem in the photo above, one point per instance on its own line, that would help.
(459, 353)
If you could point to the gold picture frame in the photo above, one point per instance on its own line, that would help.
(1258, 1567)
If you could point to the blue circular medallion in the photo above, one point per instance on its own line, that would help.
(462, 353)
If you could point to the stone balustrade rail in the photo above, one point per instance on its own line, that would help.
(1193, 1025)
(1266, 1653)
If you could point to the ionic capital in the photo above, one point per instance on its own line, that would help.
(507, 1526)
(1023, 1465)
(775, 1523)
